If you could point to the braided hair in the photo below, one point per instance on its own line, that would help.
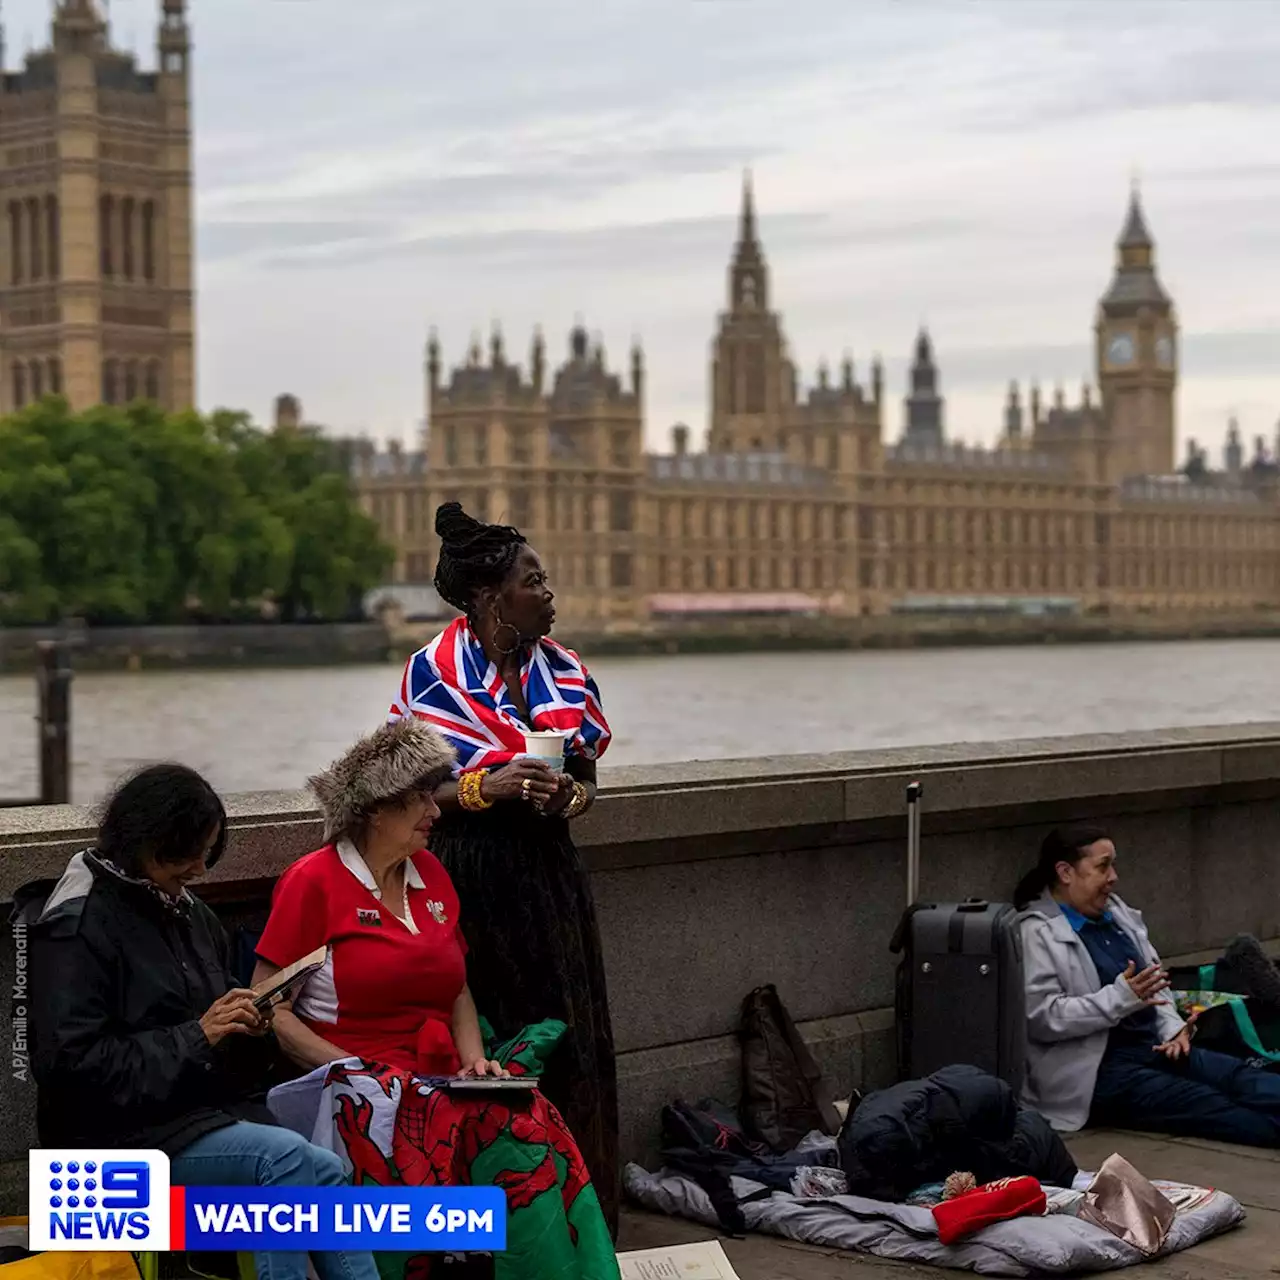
(472, 555)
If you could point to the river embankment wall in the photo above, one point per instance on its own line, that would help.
(250, 644)
(760, 634)
(271, 644)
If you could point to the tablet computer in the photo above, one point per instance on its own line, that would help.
(271, 991)
(483, 1084)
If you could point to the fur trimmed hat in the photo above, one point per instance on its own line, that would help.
(381, 766)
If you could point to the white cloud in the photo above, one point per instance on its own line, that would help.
(367, 171)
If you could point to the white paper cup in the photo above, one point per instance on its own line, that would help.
(546, 745)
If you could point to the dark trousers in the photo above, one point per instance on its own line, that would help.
(1205, 1095)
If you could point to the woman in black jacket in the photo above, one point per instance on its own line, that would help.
(141, 1036)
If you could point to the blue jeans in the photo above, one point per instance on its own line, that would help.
(1207, 1095)
(261, 1155)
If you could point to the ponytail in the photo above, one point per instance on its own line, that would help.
(1062, 844)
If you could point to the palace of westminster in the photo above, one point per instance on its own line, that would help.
(796, 504)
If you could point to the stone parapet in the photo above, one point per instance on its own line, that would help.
(713, 877)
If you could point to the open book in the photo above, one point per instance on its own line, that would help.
(280, 986)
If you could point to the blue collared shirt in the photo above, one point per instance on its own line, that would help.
(1077, 919)
(1111, 949)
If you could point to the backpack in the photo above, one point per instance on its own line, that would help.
(784, 1095)
(706, 1144)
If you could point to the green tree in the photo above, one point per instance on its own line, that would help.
(304, 478)
(132, 515)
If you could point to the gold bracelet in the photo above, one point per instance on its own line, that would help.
(581, 799)
(470, 797)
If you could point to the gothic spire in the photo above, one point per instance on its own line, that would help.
(538, 360)
(433, 360)
(1135, 283)
(747, 220)
(1135, 234)
(924, 346)
(174, 39)
(924, 406)
(748, 275)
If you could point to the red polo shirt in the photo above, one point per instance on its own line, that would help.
(387, 989)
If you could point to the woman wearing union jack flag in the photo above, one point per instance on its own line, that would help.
(489, 678)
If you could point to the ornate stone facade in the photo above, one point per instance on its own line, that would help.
(96, 295)
(797, 505)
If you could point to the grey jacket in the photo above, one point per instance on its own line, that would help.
(1070, 1012)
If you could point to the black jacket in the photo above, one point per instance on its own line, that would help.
(118, 984)
(958, 1120)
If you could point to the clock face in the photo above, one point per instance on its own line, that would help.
(1164, 352)
(1120, 349)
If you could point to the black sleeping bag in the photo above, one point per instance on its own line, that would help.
(957, 1120)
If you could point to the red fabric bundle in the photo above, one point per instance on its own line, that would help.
(996, 1202)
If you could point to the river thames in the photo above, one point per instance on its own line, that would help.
(265, 729)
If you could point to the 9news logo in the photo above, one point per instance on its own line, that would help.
(99, 1200)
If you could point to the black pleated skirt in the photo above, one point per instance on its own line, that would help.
(534, 952)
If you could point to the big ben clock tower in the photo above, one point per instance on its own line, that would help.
(1137, 357)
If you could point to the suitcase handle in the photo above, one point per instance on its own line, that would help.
(976, 905)
(915, 793)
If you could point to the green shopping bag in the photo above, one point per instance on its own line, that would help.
(1224, 1021)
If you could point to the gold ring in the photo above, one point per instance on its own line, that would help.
(524, 790)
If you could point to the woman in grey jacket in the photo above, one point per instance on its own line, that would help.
(1104, 1042)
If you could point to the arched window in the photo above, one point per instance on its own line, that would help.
(152, 391)
(37, 380)
(16, 254)
(53, 236)
(55, 376)
(106, 237)
(131, 382)
(110, 382)
(33, 231)
(19, 384)
(126, 236)
(149, 240)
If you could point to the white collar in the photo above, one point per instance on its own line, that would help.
(359, 868)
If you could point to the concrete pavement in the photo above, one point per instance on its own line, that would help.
(1251, 1252)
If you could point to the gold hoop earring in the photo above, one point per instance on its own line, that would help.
(505, 650)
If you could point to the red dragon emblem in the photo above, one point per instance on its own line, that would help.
(437, 1137)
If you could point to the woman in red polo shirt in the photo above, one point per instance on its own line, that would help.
(391, 1006)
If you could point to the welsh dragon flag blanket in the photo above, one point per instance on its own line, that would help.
(392, 1129)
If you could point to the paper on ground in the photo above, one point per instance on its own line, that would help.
(702, 1261)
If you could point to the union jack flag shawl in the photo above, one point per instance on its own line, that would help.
(453, 686)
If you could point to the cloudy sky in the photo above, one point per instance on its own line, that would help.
(366, 170)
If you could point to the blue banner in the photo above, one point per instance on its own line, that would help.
(392, 1219)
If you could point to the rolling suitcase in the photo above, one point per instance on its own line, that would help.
(960, 994)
